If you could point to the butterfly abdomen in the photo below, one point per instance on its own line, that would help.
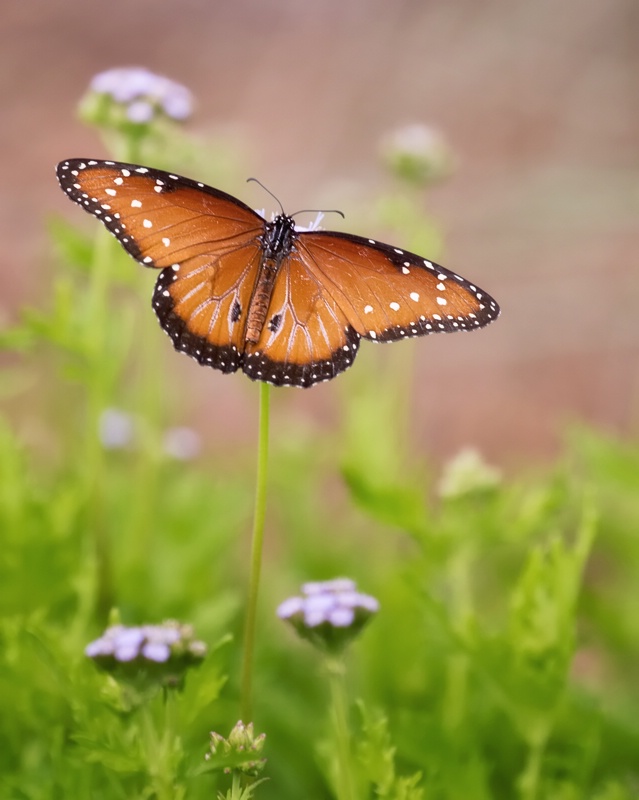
(261, 300)
(277, 243)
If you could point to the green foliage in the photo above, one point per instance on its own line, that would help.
(502, 662)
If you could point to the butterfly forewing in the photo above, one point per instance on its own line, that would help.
(306, 338)
(204, 241)
(160, 218)
(388, 293)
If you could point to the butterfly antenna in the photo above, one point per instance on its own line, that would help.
(320, 211)
(268, 191)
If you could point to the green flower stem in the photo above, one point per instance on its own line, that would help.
(528, 781)
(256, 557)
(150, 394)
(98, 389)
(457, 673)
(336, 669)
(101, 375)
(236, 792)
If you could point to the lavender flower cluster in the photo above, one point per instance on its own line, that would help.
(165, 651)
(329, 613)
(141, 93)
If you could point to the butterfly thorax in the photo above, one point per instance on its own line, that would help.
(278, 238)
(277, 242)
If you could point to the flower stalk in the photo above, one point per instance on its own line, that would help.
(257, 542)
(344, 779)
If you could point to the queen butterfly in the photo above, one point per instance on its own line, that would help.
(284, 306)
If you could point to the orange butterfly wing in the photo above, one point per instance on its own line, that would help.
(387, 293)
(205, 242)
(307, 338)
(202, 304)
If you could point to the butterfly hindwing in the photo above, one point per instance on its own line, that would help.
(202, 304)
(306, 338)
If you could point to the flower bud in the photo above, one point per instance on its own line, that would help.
(239, 752)
(467, 473)
(418, 154)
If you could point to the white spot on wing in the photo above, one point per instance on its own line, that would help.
(414, 296)
(368, 309)
(394, 306)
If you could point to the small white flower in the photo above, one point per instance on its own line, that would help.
(418, 153)
(182, 443)
(116, 429)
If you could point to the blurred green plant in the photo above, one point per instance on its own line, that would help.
(502, 662)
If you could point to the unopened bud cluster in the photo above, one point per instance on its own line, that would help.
(241, 751)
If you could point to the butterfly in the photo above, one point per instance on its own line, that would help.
(285, 306)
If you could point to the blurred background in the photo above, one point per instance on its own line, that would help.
(539, 102)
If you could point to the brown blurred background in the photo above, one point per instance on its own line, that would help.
(540, 101)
